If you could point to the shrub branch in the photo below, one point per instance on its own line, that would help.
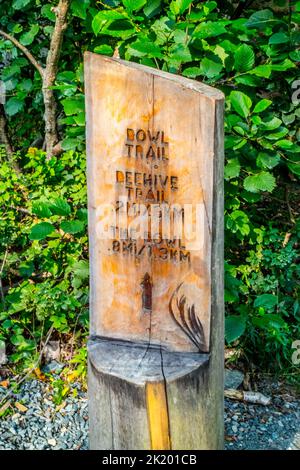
(49, 72)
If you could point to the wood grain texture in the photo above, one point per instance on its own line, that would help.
(129, 396)
(166, 393)
(149, 386)
(121, 96)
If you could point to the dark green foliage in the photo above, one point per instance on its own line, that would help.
(43, 233)
(253, 56)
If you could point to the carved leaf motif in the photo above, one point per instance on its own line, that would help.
(184, 314)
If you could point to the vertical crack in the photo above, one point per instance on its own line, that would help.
(111, 420)
(166, 394)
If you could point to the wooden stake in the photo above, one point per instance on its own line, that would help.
(154, 140)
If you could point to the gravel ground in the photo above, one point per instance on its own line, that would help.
(45, 425)
(260, 427)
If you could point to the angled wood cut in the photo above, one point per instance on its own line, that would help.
(155, 189)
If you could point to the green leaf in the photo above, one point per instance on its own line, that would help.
(209, 6)
(232, 169)
(69, 143)
(119, 29)
(13, 106)
(266, 301)
(210, 68)
(81, 269)
(79, 7)
(241, 103)
(262, 71)
(144, 47)
(177, 7)
(25, 85)
(272, 124)
(180, 53)
(281, 132)
(250, 197)
(221, 53)
(288, 118)
(269, 321)
(279, 38)
(19, 4)
(244, 58)
(104, 49)
(152, 7)
(41, 209)
(264, 160)
(209, 29)
(47, 12)
(262, 105)
(285, 65)
(261, 19)
(27, 38)
(238, 221)
(60, 207)
(295, 166)
(26, 268)
(72, 226)
(73, 105)
(248, 80)
(234, 327)
(262, 181)
(105, 16)
(295, 55)
(284, 144)
(80, 119)
(41, 231)
(133, 5)
(163, 28)
(231, 141)
(10, 71)
(82, 215)
(191, 72)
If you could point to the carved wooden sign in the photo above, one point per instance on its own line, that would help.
(155, 194)
(151, 156)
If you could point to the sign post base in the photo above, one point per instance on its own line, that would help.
(145, 397)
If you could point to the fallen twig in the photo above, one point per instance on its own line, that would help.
(249, 397)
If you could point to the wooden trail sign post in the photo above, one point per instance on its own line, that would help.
(155, 185)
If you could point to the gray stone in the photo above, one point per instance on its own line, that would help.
(53, 366)
(3, 358)
(233, 379)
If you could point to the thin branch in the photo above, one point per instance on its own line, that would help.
(49, 72)
(25, 52)
(3, 262)
(61, 12)
(20, 209)
(51, 134)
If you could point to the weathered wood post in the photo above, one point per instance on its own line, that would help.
(155, 186)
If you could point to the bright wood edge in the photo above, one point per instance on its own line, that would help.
(158, 416)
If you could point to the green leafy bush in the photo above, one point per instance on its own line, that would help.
(253, 55)
(43, 236)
